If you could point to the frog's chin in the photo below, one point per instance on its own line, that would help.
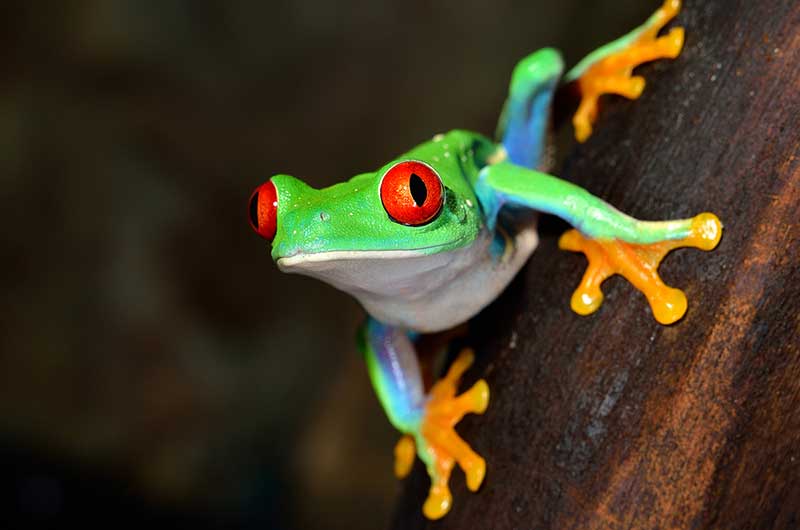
(425, 289)
(376, 275)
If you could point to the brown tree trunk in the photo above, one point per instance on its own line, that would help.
(615, 421)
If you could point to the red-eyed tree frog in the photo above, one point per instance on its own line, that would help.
(432, 237)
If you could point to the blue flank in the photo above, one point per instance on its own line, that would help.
(393, 369)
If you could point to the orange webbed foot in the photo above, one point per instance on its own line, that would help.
(612, 74)
(639, 265)
(437, 442)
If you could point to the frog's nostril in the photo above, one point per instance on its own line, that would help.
(264, 210)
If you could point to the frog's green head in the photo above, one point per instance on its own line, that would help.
(406, 206)
(417, 205)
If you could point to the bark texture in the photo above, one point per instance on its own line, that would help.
(615, 421)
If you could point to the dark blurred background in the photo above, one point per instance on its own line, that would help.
(156, 367)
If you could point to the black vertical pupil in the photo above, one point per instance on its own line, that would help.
(254, 210)
(419, 192)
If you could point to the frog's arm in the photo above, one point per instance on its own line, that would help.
(514, 185)
(609, 69)
(523, 124)
(426, 421)
(613, 242)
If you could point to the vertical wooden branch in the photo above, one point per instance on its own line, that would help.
(612, 420)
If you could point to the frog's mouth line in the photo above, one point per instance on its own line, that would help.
(344, 255)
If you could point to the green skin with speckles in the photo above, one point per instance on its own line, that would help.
(354, 215)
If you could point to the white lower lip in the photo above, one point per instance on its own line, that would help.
(339, 255)
(342, 255)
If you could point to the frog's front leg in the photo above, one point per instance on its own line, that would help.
(427, 421)
(608, 70)
(613, 242)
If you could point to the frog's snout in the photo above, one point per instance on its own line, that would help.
(264, 210)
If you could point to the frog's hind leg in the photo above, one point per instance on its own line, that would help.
(440, 446)
(427, 421)
(608, 70)
(523, 125)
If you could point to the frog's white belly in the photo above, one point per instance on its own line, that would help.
(425, 293)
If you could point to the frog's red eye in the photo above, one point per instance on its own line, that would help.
(412, 193)
(264, 210)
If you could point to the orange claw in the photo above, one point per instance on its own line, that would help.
(439, 444)
(613, 73)
(639, 264)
